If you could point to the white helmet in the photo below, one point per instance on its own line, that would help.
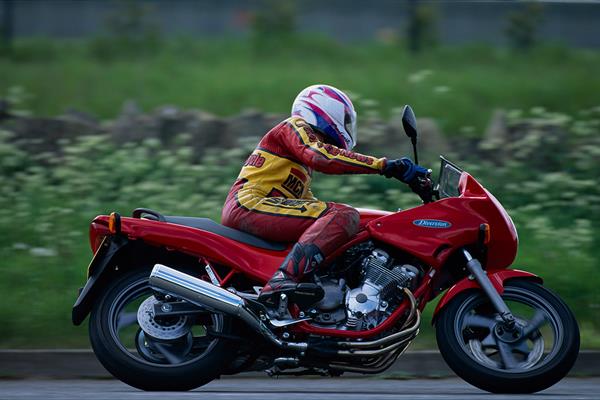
(330, 111)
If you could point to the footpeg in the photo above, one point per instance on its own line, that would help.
(279, 323)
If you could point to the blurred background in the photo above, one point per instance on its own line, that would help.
(112, 105)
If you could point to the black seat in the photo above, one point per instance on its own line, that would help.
(209, 225)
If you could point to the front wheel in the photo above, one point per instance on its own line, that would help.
(531, 356)
(179, 354)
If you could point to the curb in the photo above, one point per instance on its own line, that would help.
(82, 364)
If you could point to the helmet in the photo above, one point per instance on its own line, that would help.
(330, 112)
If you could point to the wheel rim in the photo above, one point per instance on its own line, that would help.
(535, 340)
(126, 333)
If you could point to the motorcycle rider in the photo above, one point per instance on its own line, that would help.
(271, 197)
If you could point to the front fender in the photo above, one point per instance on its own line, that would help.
(497, 278)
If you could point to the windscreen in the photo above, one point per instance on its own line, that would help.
(449, 178)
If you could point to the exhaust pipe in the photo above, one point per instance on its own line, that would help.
(208, 296)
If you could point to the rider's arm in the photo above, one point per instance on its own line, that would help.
(306, 147)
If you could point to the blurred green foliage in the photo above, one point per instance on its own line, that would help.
(275, 21)
(459, 87)
(548, 182)
(523, 26)
(130, 32)
(421, 30)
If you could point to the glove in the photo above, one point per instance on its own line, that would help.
(404, 169)
(423, 187)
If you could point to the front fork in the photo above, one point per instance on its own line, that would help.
(474, 267)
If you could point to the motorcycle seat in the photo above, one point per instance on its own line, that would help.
(207, 224)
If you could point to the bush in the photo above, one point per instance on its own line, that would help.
(273, 26)
(523, 26)
(130, 33)
(422, 26)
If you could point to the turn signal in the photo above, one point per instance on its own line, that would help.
(114, 223)
(484, 233)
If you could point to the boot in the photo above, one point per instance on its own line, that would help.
(301, 260)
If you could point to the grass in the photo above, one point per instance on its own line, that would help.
(458, 86)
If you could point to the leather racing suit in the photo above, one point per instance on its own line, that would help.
(271, 197)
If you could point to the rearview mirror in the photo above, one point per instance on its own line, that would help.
(409, 123)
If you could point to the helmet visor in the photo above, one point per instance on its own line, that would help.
(350, 126)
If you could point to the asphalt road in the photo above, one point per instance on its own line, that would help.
(290, 389)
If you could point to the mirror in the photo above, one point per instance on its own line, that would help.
(409, 123)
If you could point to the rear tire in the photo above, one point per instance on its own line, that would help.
(533, 379)
(143, 373)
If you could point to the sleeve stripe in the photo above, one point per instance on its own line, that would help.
(321, 151)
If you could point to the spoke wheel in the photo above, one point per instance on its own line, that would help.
(531, 355)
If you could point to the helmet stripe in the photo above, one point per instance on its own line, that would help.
(319, 113)
(339, 96)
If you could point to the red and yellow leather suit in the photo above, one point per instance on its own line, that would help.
(271, 197)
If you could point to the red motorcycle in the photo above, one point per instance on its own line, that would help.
(172, 300)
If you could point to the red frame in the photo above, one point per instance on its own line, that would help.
(433, 246)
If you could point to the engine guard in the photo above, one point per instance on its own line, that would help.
(497, 278)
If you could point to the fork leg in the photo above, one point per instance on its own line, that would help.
(474, 267)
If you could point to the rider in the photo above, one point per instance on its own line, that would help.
(271, 197)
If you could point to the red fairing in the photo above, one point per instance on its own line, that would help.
(256, 263)
(497, 278)
(367, 215)
(98, 229)
(464, 214)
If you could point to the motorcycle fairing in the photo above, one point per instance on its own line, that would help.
(258, 263)
(465, 214)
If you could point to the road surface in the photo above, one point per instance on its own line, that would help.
(290, 389)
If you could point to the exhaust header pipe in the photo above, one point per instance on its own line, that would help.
(206, 295)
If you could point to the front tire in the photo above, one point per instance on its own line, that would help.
(143, 367)
(475, 344)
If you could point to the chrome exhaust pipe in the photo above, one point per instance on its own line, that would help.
(203, 294)
(206, 295)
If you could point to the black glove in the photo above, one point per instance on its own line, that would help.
(403, 169)
(423, 186)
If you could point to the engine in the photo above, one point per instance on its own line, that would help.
(376, 293)
(381, 286)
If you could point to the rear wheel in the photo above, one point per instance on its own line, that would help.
(169, 354)
(532, 356)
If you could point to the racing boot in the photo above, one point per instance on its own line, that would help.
(301, 260)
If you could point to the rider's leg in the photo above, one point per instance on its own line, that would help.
(338, 224)
(318, 227)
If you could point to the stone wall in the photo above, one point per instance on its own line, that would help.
(205, 130)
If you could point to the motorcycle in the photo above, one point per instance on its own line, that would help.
(173, 303)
